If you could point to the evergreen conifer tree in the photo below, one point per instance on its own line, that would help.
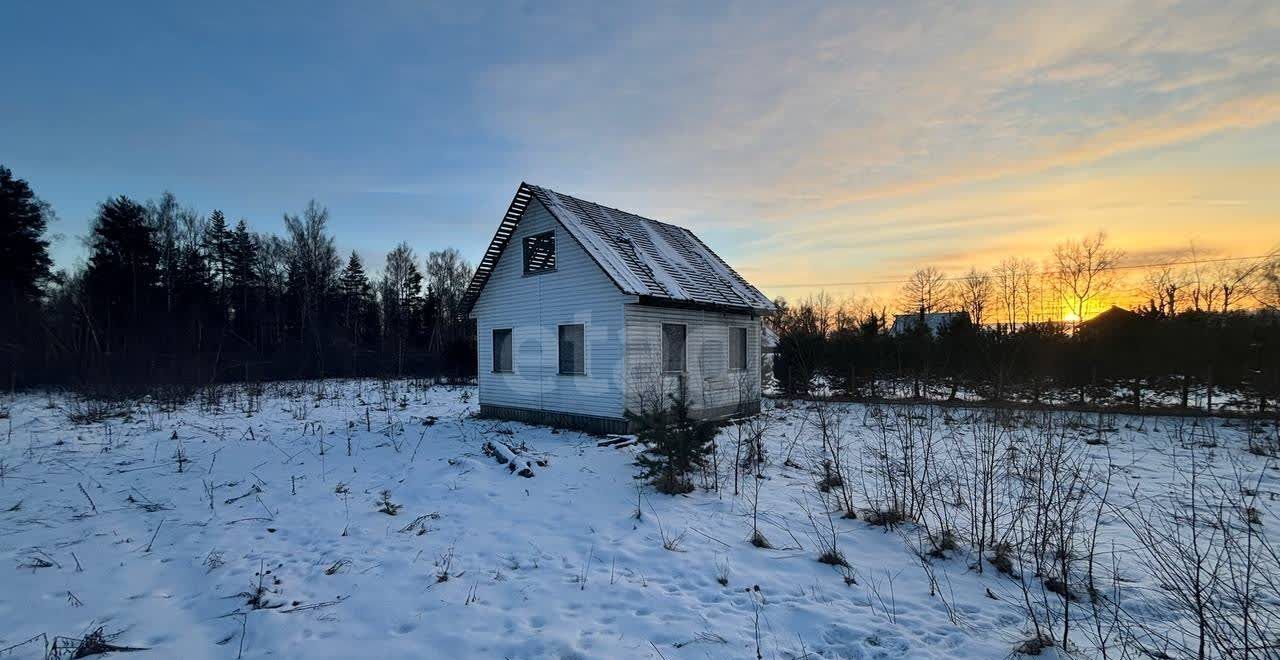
(217, 242)
(356, 298)
(24, 252)
(25, 268)
(124, 267)
(675, 444)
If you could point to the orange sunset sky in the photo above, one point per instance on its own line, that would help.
(815, 146)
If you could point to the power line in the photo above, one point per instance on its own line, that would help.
(1189, 262)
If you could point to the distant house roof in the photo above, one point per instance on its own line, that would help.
(934, 321)
(643, 257)
(768, 339)
(1114, 319)
(1113, 314)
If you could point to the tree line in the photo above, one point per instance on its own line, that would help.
(171, 295)
(1205, 334)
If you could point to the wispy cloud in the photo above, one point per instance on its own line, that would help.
(857, 103)
(878, 121)
(824, 140)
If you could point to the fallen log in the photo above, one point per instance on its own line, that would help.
(511, 457)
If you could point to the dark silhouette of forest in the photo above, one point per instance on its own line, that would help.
(172, 296)
(1154, 357)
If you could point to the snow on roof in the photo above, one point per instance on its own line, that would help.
(604, 252)
(660, 273)
(643, 257)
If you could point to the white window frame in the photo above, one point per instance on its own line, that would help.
(585, 356)
(493, 347)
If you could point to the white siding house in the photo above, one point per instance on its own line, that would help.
(584, 312)
(936, 322)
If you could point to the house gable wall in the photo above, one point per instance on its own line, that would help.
(534, 306)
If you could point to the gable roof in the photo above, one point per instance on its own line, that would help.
(643, 257)
(1113, 314)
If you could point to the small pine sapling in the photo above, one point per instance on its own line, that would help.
(385, 505)
(675, 443)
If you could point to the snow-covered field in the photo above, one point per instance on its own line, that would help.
(247, 524)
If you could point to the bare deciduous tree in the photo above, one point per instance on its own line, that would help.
(1014, 283)
(927, 290)
(1268, 292)
(447, 276)
(974, 293)
(1237, 281)
(1083, 271)
(401, 298)
(312, 261)
(1164, 288)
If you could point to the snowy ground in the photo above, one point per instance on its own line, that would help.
(154, 524)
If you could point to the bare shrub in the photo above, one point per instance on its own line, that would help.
(85, 410)
(444, 566)
(825, 535)
(982, 461)
(829, 421)
(1216, 569)
(757, 538)
(1049, 530)
(97, 642)
(901, 476)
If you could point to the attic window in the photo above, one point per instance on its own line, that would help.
(540, 253)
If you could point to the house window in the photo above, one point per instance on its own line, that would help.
(673, 347)
(573, 356)
(540, 253)
(737, 349)
(502, 350)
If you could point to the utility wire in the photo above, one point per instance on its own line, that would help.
(1188, 262)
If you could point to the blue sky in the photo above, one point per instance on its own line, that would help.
(810, 144)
